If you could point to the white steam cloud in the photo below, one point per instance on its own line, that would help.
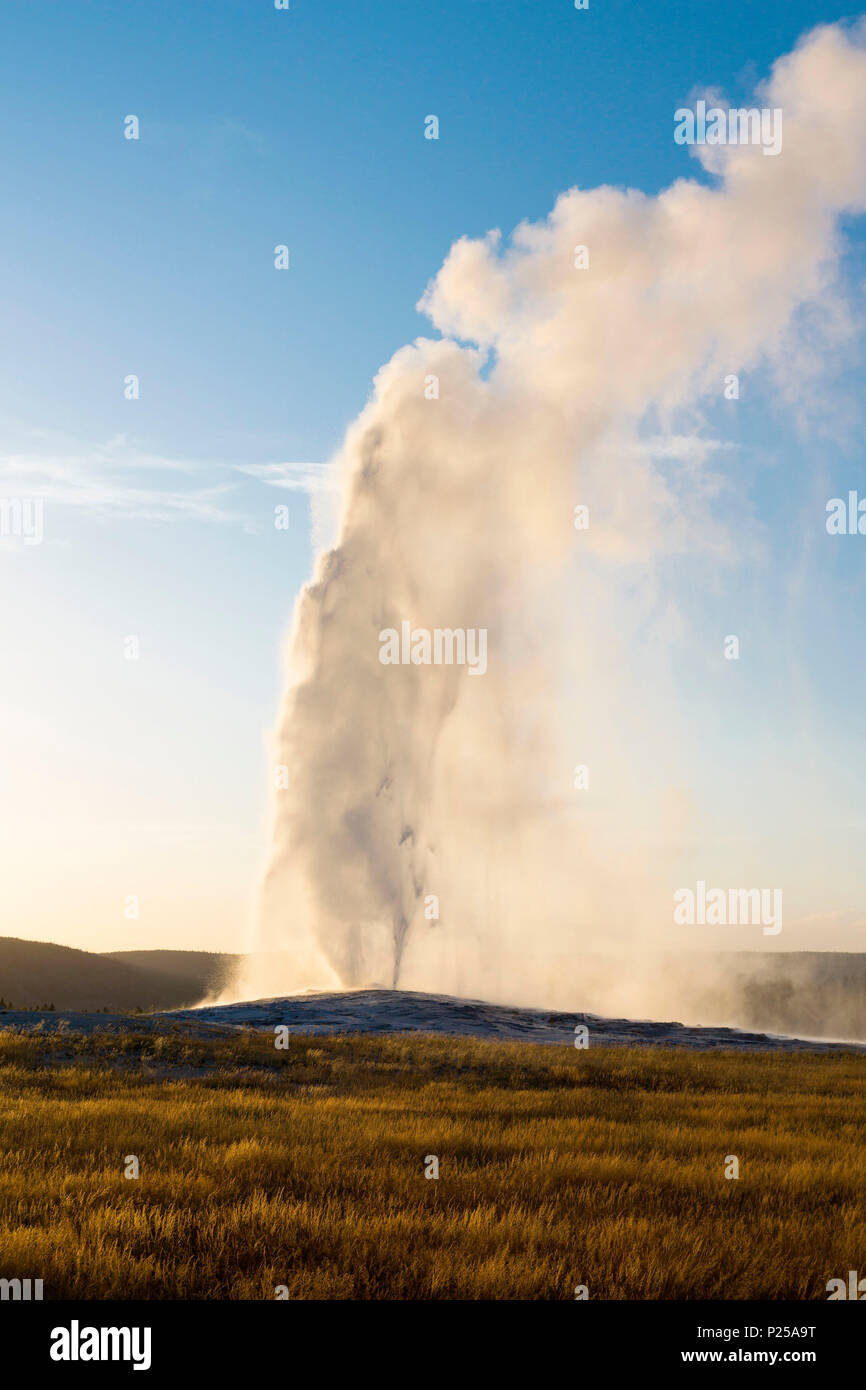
(408, 783)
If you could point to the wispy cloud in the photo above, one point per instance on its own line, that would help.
(120, 480)
(689, 449)
(116, 480)
(297, 477)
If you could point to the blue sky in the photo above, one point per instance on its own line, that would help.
(155, 257)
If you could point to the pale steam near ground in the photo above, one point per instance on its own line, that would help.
(411, 781)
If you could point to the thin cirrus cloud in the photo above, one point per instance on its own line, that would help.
(296, 477)
(118, 480)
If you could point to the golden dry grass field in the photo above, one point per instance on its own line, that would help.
(305, 1168)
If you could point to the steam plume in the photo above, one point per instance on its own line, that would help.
(413, 782)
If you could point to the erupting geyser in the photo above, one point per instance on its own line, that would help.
(413, 784)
